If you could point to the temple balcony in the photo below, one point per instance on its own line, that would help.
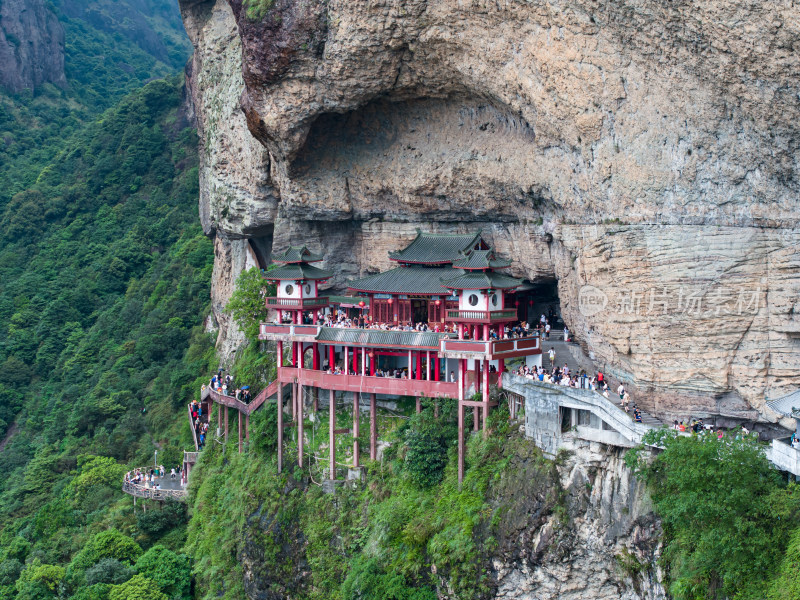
(366, 384)
(482, 316)
(297, 303)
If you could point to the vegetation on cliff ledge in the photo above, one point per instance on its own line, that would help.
(731, 524)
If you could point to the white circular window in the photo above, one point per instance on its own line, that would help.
(494, 299)
(308, 289)
(473, 299)
(289, 289)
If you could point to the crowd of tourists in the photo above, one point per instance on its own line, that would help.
(224, 384)
(151, 478)
(200, 423)
(339, 319)
(565, 377)
(699, 427)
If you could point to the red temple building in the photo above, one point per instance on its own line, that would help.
(435, 326)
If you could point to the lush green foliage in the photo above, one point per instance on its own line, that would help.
(377, 541)
(112, 47)
(105, 286)
(169, 570)
(725, 512)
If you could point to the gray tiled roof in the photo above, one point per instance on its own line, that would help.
(406, 280)
(296, 254)
(376, 338)
(297, 271)
(481, 280)
(436, 248)
(482, 259)
(354, 300)
(785, 404)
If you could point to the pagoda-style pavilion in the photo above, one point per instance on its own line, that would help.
(435, 326)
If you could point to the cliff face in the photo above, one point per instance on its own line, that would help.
(31, 46)
(643, 155)
(579, 528)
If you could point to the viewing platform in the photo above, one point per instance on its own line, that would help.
(390, 386)
(171, 489)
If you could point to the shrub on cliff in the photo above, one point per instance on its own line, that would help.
(726, 515)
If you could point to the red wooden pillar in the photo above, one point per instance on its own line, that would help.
(419, 365)
(356, 415)
(373, 427)
(332, 434)
(332, 357)
(346, 362)
(485, 331)
(280, 354)
(461, 331)
(294, 401)
(460, 420)
(355, 360)
(485, 382)
(300, 425)
(300, 355)
(476, 411)
(280, 425)
(436, 366)
(315, 356)
(372, 361)
(501, 330)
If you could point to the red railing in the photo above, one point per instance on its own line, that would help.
(390, 386)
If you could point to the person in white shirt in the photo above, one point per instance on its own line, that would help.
(621, 391)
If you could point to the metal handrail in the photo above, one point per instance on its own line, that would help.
(149, 493)
(482, 315)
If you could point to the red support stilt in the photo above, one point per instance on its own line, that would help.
(240, 431)
(280, 426)
(485, 382)
(419, 405)
(373, 427)
(226, 424)
(476, 411)
(356, 419)
(460, 421)
(294, 402)
(331, 434)
(300, 425)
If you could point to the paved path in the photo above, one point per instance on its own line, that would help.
(564, 354)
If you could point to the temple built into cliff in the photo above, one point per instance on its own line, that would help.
(434, 326)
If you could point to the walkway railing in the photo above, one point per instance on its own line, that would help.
(149, 493)
(232, 402)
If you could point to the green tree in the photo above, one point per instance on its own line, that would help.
(137, 587)
(106, 544)
(170, 571)
(426, 442)
(108, 570)
(725, 514)
(247, 303)
(39, 580)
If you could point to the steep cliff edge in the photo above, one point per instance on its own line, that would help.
(31, 46)
(642, 155)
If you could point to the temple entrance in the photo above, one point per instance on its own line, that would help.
(419, 311)
(540, 298)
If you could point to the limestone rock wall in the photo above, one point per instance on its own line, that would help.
(31, 46)
(643, 154)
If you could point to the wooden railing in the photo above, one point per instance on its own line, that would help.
(297, 302)
(486, 316)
